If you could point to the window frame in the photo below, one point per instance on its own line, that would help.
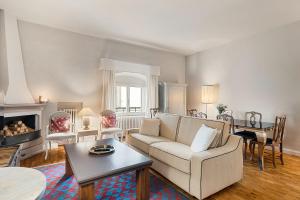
(143, 100)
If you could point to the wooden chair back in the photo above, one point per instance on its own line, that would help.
(227, 118)
(153, 112)
(201, 115)
(253, 117)
(191, 112)
(228, 112)
(278, 130)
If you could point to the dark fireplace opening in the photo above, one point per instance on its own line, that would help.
(18, 129)
(28, 120)
(1, 122)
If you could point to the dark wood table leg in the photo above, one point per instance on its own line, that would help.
(68, 169)
(261, 150)
(87, 191)
(142, 184)
(245, 148)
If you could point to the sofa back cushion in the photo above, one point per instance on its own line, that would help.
(150, 127)
(168, 125)
(189, 126)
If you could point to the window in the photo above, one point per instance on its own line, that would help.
(121, 99)
(130, 93)
(129, 99)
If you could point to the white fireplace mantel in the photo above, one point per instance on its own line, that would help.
(30, 148)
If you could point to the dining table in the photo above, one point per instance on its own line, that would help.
(240, 123)
(260, 129)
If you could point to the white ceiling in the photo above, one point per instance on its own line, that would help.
(184, 26)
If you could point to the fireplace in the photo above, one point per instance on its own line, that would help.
(19, 129)
(21, 124)
(20, 116)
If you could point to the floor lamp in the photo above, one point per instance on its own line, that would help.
(208, 95)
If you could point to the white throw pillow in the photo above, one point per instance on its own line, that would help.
(203, 138)
(150, 127)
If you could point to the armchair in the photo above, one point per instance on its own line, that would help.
(108, 125)
(59, 130)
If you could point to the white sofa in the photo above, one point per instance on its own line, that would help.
(200, 174)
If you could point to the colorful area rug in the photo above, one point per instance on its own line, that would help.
(118, 187)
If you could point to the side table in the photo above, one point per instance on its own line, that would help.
(87, 132)
(21, 183)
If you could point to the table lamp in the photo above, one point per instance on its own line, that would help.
(208, 95)
(86, 113)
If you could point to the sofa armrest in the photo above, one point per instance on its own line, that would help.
(132, 130)
(217, 168)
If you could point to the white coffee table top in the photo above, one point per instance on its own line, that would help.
(21, 183)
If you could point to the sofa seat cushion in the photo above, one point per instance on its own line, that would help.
(143, 142)
(174, 154)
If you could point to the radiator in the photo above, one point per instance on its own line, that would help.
(74, 116)
(128, 122)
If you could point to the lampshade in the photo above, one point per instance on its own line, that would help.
(208, 94)
(86, 112)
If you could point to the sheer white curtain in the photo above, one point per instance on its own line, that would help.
(107, 89)
(152, 93)
(109, 67)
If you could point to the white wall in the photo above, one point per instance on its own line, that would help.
(3, 58)
(64, 66)
(260, 73)
(12, 70)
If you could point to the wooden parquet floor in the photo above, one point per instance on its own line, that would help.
(281, 183)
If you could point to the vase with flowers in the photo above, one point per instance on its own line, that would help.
(221, 108)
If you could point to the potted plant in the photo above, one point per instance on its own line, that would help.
(221, 108)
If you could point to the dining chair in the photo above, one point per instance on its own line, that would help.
(227, 118)
(201, 115)
(60, 130)
(191, 112)
(275, 141)
(252, 117)
(153, 112)
(228, 112)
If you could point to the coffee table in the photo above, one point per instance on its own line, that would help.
(88, 168)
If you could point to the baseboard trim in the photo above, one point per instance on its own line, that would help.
(291, 152)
